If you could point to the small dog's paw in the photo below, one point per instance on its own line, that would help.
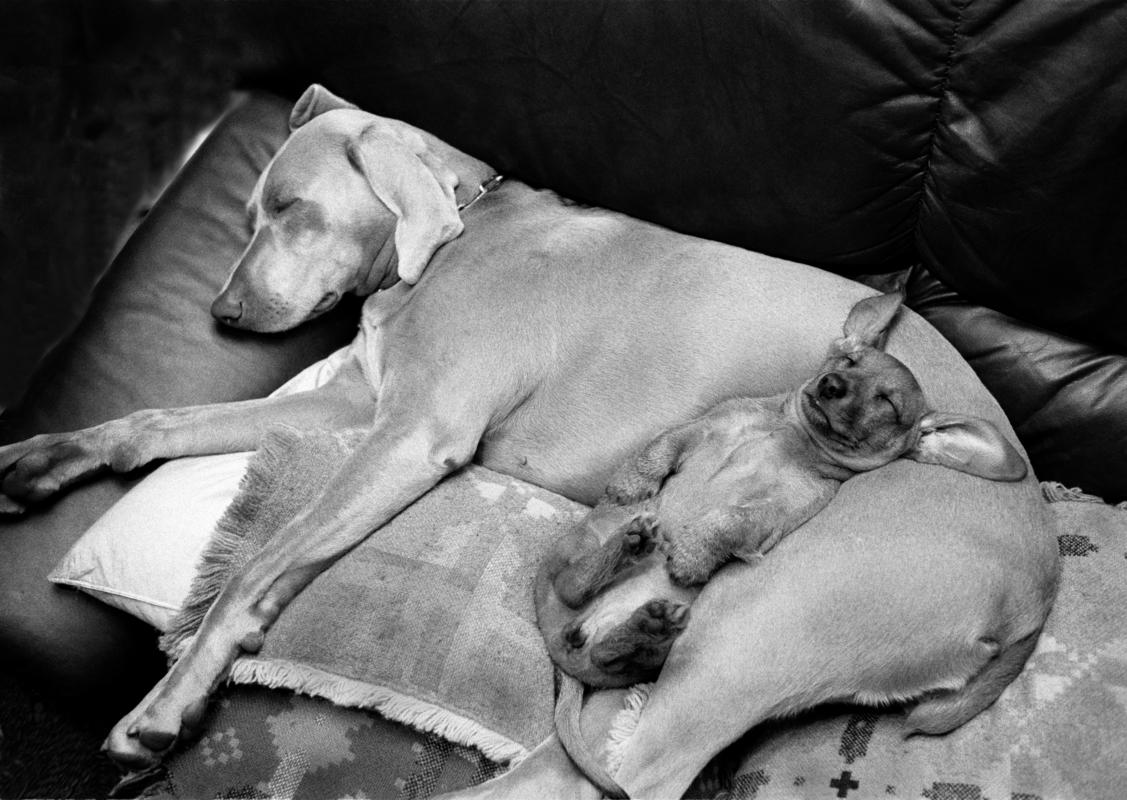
(661, 619)
(639, 537)
(688, 566)
(638, 646)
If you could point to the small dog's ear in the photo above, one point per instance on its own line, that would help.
(868, 322)
(415, 186)
(314, 101)
(967, 444)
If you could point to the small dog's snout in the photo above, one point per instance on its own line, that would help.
(227, 310)
(832, 387)
(574, 637)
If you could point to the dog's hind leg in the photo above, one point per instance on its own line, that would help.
(946, 710)
(639, 646)
(593, 569)
(548, 771)
(791, 633)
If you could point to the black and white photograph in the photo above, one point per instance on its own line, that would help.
(578, 399)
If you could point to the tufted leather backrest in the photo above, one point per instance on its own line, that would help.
(985, 137)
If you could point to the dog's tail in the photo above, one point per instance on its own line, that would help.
(568, 707)
(945, 711)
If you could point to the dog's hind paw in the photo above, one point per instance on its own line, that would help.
(639, 645)
(661, 619)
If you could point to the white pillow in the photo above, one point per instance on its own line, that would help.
(141, 555)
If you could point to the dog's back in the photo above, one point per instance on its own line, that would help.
(624, 329)
(935, 582)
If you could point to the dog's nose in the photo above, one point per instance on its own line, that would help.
(832, 386)
(227, 309)
(573, 635)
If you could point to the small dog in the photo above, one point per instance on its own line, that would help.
(614, 595)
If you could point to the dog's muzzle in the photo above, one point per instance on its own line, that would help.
(832, 386)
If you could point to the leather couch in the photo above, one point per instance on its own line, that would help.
(976, 146)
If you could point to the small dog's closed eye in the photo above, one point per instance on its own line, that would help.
(731, 484)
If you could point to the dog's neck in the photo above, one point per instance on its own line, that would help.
(473, 173)
(382, 273)
(825, 464)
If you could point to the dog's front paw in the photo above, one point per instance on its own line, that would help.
(35, 469)
(639, 537)
(167, 715)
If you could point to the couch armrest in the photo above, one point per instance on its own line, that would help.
(147, 340)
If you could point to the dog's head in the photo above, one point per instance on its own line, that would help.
(865, 408)
(351, 202)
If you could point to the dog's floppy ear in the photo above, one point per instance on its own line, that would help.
(967, 444)
(314, 101)
(868, 322)
(415, 185)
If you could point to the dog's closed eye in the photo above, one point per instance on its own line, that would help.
(885, 398)
(281, 205)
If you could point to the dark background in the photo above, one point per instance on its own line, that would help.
(98, 100)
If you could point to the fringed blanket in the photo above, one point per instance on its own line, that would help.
(387, 627)
(401, 642)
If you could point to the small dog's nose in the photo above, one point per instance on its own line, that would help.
(573, 635)
(227, 310)
(832, 386)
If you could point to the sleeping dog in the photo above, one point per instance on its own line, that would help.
(732, 483)
(612, 597)
(549, 340)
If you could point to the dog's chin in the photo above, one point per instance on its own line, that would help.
(844, 448)
(269, 323)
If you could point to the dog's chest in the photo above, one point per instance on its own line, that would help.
(742, 466)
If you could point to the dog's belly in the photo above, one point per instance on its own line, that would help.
(756, 474)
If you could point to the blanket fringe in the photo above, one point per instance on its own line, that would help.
(1055, 492)
(214, 567)
(624, 725)
(395, 706)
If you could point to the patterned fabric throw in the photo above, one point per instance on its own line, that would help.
(417, 611)
(430, 621)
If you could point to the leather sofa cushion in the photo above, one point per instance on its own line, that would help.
(1065, 399)
(146, 341)
(1023, 208)
(857, 136)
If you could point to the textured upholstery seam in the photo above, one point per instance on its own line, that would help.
(941, 96)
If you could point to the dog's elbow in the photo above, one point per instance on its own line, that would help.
(444, 448)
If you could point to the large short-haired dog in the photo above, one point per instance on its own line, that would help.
(548, 341)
